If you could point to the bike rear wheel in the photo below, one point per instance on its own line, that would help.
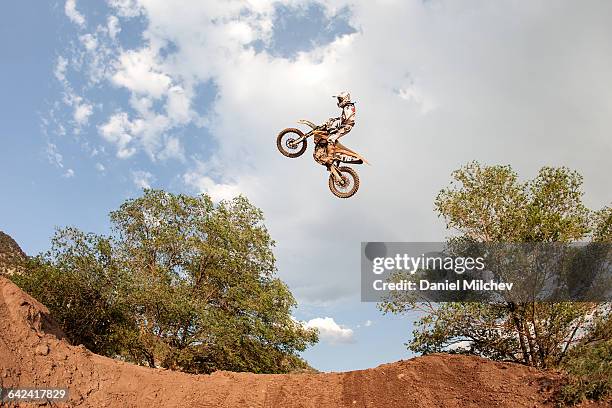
(347, 186)
(285, 141)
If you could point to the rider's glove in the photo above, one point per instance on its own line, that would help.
(331, 122)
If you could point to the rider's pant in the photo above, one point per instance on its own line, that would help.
(339, 133)
(343, 130)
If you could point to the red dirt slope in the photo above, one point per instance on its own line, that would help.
(32, 353)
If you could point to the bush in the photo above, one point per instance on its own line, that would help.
(589, 369)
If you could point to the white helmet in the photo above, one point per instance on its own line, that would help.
(344, 98)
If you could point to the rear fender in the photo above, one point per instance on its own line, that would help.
(352, 157)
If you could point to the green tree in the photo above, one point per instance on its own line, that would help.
(79, 280)
(490, 204)
(195, 282)
(602, 231)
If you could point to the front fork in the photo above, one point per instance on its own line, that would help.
(298, 140)
(333, 169)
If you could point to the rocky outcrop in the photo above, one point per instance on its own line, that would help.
(12, 258)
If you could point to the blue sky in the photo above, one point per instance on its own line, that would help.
(101, 99)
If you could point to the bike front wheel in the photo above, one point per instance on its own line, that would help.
(285, 141)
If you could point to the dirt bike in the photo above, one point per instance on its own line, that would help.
(343, 180)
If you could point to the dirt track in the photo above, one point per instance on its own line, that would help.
(33, 354)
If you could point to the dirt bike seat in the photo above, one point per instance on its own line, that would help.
(341, 146)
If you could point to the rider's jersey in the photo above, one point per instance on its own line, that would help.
(348, 115)
(346, 119)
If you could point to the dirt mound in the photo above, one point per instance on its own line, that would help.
(12, 258)
(34, 353)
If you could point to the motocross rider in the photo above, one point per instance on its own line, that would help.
(339, 127)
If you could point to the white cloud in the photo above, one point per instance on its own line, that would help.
(178, 106)
(60, 68)
(89, 41)
(113, 27)
(54, 156)
(82, 112)
(56, 159)
(462, 345)
(205, 184)
(73, 14)
(367, 323)
(126, 8)
(117, 130)
(414, 95)
(138, 72)
(142, 179)
(330, 331)
(100, 167)
(172, 150)
(81, 109)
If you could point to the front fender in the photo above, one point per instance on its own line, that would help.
(307, 123)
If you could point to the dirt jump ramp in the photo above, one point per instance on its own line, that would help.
(34, 353)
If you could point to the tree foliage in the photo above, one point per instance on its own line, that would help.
(490, 204)
(82, 284)
(180, 283)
